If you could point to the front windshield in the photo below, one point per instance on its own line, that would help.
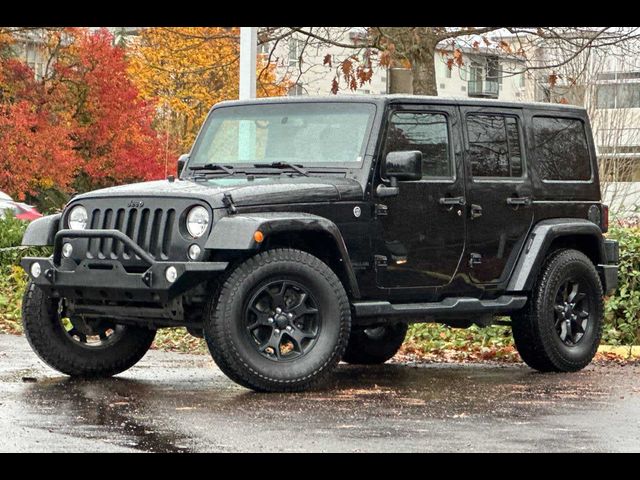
(322, 134)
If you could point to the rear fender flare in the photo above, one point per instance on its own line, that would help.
(538, 243)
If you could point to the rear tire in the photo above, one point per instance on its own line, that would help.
(560, 328)
(63, 349)
(374, 345)
(280, 322)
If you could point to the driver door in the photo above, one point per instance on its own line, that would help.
(423, 228)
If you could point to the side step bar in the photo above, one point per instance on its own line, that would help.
(449, 307)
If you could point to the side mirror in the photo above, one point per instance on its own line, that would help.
(400, 166)
(182, 160)
(403, 165)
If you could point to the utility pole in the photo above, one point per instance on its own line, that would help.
(248, 55)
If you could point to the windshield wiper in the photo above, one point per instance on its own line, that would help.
(213, 166)
(293, 166)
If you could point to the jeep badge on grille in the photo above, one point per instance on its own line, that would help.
(135, 204)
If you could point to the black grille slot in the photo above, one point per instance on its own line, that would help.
(155, 230)
(150, 228)
(131, 229)
(166, 235)
(106, 243)
(118, 248)
(94, 242)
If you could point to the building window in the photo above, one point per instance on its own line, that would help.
(493, 70)
(32, 57)
(447, 71)
(264, 49)
(621, 90)
(296, 90)
(295, 50)
(426, 132)
(562, 149)
(494, 146)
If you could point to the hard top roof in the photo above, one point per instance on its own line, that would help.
(404, 98)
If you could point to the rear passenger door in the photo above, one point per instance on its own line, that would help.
(499, 203)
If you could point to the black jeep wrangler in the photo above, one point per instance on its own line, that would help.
(308, 230)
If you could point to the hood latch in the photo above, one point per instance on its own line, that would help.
(227, 200)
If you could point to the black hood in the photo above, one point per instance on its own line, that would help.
(260, 191)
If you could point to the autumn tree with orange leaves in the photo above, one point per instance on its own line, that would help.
(186, 70)
(81, 126)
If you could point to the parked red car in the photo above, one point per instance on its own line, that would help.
(20, 210)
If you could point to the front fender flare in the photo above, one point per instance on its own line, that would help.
(42, 231)
(236, 232)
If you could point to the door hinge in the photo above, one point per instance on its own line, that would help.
(380, 261)
(381, 210)
(474, 259)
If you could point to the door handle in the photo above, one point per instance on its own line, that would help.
(451, 201)
(476, 211)
(517, 201)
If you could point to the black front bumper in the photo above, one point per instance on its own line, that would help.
(108, 279)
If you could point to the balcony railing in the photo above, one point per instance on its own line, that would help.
(483, 88)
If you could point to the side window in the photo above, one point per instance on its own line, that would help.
(562, 152)
(427, 132)
(494, 146)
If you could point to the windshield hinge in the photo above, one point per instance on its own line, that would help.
(380, 261)
(227, 200)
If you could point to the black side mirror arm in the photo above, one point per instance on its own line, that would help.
(392, 190)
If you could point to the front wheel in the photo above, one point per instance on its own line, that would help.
(78, 347)
(374, 345)
(561, 326)
(280, 322)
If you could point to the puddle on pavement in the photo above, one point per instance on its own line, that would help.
(103, 409)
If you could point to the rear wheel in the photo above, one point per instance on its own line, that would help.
(373, 345)
(78, 347)
(561, 326)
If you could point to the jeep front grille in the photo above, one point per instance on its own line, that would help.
(150, 228)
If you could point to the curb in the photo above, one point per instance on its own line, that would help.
(628, 351)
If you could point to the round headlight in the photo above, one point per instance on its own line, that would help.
(197, 221)
(78, 218)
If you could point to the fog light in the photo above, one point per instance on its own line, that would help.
(67, 250)
(171, 274)
(194, 251)
(35, 270)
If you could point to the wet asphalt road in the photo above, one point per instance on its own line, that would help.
(183, 403)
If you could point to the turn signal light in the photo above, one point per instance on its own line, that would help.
(258, 236)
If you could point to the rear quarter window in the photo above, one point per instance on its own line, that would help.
(561, 149)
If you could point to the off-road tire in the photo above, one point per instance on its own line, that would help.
(233, 352)
(371, 346)
(49, 341)
(534, 331)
